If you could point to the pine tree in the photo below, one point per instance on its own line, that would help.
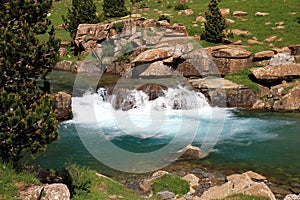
(114, 8)
(82, 12)
(27, 120)
(215, 23)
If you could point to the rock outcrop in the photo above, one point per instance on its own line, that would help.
(239, 184)
(63, 102)
(89, 35)
(282, 97)
(230, 58)
(280, 72)
(224, 93)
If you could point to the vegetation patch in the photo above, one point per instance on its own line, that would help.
(12, 181)
(171, 183)
(85, 184)
(245, 197)
(242, 77)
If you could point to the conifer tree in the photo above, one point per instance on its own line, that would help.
(114, 8)
(27, 120)
(215, 23)
(82, 12)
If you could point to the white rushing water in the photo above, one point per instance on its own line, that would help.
(179, 115)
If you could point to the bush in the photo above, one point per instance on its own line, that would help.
(135, 1)
(118, 26)
(164, 17)
(82, 12)
(78, 179)
(171, 183)
(181, 6)
(215, 23)
(114, 8)
(298, 19)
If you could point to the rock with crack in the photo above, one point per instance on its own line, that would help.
(238, 184)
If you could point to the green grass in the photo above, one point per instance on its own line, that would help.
(279, 11)
(171, 183)
(85, 184)
(11, 180)
(243, 77)
(244, 197)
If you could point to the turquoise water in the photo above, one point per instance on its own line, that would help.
(266, 142)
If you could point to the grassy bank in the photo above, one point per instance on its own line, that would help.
(279, 11)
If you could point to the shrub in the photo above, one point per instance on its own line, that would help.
(164, 17)
(82, 12)
(118, 26)
(215, 23)
(171, 183)
(181, 6)
(114, 8)
(135, 1)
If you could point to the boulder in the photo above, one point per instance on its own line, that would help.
(230, 59)
(153, 90)
(191, 153)
(263, 55)
(225, 11)
(292, 197)
(65, 65)
(280, 72)
(87, 66)
(56, 191)
(48, 192)
(295, 49)
(166, 195)
(231, 52)
(62, 51)
(251, 41)
(289, 102)
(238, 184)
(188, 12)
(229, 21)
(224, 93)
(200, 19)
(281, 59)
(270, 39)
(239, 32)
(282, 97)
(239, 13)
(63, 102)
(31, 193)
(158, 69)
(151, 55)
(261, 14)
(192, 180)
